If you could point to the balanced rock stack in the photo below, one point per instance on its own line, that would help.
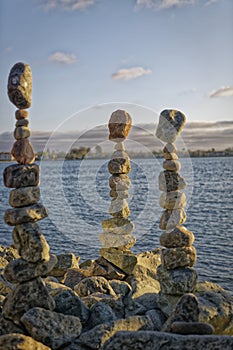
(23, 178)
(117, 236)
(175, 274)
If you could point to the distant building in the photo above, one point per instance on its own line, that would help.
(5, 156)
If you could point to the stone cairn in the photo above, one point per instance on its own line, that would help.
(35, 260)
(117, 238)
(175, 274)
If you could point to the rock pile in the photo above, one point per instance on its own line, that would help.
(176, 275)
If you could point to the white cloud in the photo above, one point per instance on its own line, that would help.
(63, 58)
(163, 4)
(67, 5)
(130, 73)
(222, 92)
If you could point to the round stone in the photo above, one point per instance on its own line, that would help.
(173, 258)
(22, 122)
(171, 165)
(172, 200)
(21, 132)
(170, 156)
(119, 166)
(177, 237)
(119, 125)
(172, 218)
(119, 182)
(171, 181)
(23, 152)
(21, 114)
(20, 85)
(119, 208)
(170, 148)
(170, 125)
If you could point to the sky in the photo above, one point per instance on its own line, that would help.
(155, 53)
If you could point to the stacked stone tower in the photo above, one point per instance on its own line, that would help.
(175, 274)
(23, 178)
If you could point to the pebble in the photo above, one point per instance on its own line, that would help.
(171, 165)
(170, 181)
(172, 218)
(119, 125)
(119, 182)
(172, 200)
(23, 152)
(17, 175)
(119, 166)
(119, 208)
(22, 122)
(173, 258)
(119, 146)
(21, 132)
(170, 125)
(170, 148)
(177, 237)
(24, 196)
(20, 85)
(21, 114)
(23, 215)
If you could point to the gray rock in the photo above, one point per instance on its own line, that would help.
(172, 200)
(120, 226)
(116, 240)
(64, 261)
(147, 340)
(76, 345)
(54, 287)
(133, 308)
(16, 175)
(171, 165)
(170, 125)
(22, 122)
(120, 287)
(30, 242)
(157, 317)
(171, 181)
(119, 166)
(24, 196)
(101, 267)
(125, 260)
(20, 85)
(51, 328)
(119, 125)
(119, 208)
(100, 313)
(173, 258)
(119, 146)
(172, 218)
(8, 327)
(191, 328)
(177, 237)
(5, 286)
(95, 284)
(24, 215)
(69, 303)
(16, 341)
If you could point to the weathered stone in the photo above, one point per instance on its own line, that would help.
(22, 122)
(75, 345)
(30, 242)
(119, 166)
(186, 310)
(100, 313)
(20, 270)
(69, 303)
(119, 208)
(25, 296)
(21, 175)
(177, 237)
(8, 327)
(171, 181)
(120, 287)
(51, 328)
(170, 125)
(157, 317)
(120, 226)
(16, 341)
(119, 125)
(149, 340)
(178, 281)
(24, 196)
(170, 148)
(20, 85)
(120, 241)
(172, 218)
(124, 260)
(172, 258)
(133, 308)
(172, 165)
(23, 215)
(172, 200)
(95, 284)
(101, 267)
(114, 301)
(23, 152)
(21, 132)
(119, 194)
(21, 114)
(98, 335)
(191, 328)
(149, 259)
(119, 182)
(74, 275)
(119, 146)
(64, 261)
(8, 253)
(3, 262)
(170, 156)
(5, 286)
(55, 288)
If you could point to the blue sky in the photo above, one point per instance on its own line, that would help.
(156, 53)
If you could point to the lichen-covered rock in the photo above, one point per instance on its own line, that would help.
(171, 181)
(17, 175)
(20, 85)
(172, 258)
(54, 287)
(101, 267)
(177, 237)
(95, 284)
(172, 200)
(191, 328)
(119, 125)
(172, 165)
(170, 125)
(16, 341)
(23, 152)
(172, 218)
(125, 260)
(5, 286)
(119, 208)
(114, 301)
(24, 196)
(51, 328)
(100, 313)
(119, 166)
(170, 156)
(8, 327)
(24, 215)
(64, 261)
(120, 287)
(149, 259)
(122, 226)
(120, 241)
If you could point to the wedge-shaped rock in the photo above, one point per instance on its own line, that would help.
(124, 260)
(21, 175)
(178, 257)
(119, 194)
(20, 85)
(170, 156)
(64, 261)
(169, 148)
(23, 215)
(119, 208)
(95, 284)
(172, 200)
(119, 125)
(171, 181)
(120, 241)
(16, 341)
(177, 237)
(122, 226)
(24, 196)
(170, 125)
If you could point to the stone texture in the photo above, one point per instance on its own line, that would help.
(30, 242)
(191, 328)
(21, 114)
(119, 182)
(23, 215)
(119, 194)
(172, 165)
(170, 181)
(177, 237)
(119, 166)
(20, 270)
(124, 260)
(21, 132)
(8, 327)
(120, 241)
(114, 301)
(101, 267)
(20, 85)
(119, 146)
(178, 281)
(5, 286)
(21, 175)
(95, 284)
(157, 317)
(170, 156)
(120, 226)
(119, 208)
(172, 258)
(172, 218)
(100, 313)
(64, 262)
(16, 341)
(22, 122)
(172, 200)
(8, 253)
(170, 125)
(169, 148)
(120, 287)
(22, 152)
(51, 328)
(24, 196)
(74, 275)
(119, 125)
(25, 296)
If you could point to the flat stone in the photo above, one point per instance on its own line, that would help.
(23, 152)
(170, 125)
(25, 296)
(119, 182)
(24, 196)
(8, 327)
(170, 148)
(100, 313)
(119, 125)
(122, 226)
(191, 328)
(22, 122)
(20, 85)
(172, 218)
(64, 261)
(119, 208)
(119, 166)
(51, 328)
(95, 284)
(124, 260)
(20, 270)
(172, 200)
(170, 156)
(172, 165)
(101, 267)
(177, 282)
(177, 237)
(74, 275)
(21, 132)
(119, 146)
(119, 194)
(54, 287)
(30, 242)
(171, 181)
(21, 175)
(21, 114)
(16, 341)
(24, 215)
(172, 258)
(120, 241)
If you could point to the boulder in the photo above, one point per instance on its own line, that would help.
(114, 301)
(191, 328)
(120, 287)
(116, 240)
(173, 258)
(8, 327)
(100, 313)
(95, 284)
(125, 260)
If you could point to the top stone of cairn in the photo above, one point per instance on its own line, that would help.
(170, 125)
(20, 85)
(119, 125)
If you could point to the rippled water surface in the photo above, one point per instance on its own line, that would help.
(76, 194)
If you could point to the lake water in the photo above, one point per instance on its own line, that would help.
(76, 194)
